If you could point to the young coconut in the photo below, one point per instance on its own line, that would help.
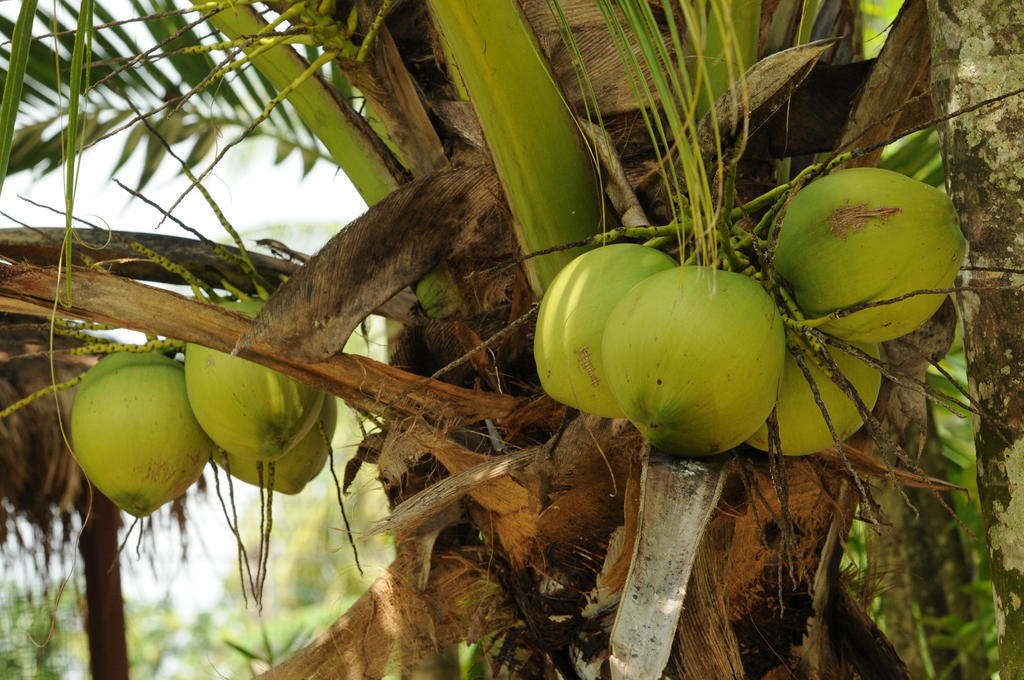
(865, 235)
(297, 467)
(694, 358)
(802, 428)
(571, 319)
(249, 410)
(134, 433)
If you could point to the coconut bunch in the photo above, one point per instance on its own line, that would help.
(143, 425)
(698, 359)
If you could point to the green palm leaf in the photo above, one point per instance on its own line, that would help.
(131, 79)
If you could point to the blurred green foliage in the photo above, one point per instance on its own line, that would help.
(28, 651)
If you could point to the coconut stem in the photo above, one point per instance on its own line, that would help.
(758, 204)
(49, 389)
(101, 346)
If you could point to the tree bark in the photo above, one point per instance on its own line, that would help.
(976, 56)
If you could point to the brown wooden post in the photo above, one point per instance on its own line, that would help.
(104, 616)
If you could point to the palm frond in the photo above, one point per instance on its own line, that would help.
(132, 79)
(14, 78)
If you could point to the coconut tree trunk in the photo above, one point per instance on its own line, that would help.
(104, 615)
(976, 46)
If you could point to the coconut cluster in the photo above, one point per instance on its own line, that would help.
(697, 359)
(143, 425)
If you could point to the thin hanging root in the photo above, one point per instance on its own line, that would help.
(49, 389)
(777, 470)
(341, 506)
(266, 524)
(243, 557)
(753, 490)
(798, 357)
(320, 62)
(124, 542)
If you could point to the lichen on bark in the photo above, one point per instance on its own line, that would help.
(977, 55)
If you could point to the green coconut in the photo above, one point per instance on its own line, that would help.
(297, 467)
(802, 428)
(865, 235)
(571, 319)
(694, 358)
(134, 433)
(249, 410)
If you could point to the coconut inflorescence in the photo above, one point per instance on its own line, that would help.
(697, 359)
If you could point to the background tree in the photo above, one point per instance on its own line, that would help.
(983, 161)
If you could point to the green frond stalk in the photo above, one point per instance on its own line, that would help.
(81, 57)
(328, 117)
(547, 173)
(730, 46)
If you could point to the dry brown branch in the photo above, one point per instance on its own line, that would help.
(362, 382)
(44, 246)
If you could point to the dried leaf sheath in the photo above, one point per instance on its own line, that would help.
(391, 246)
